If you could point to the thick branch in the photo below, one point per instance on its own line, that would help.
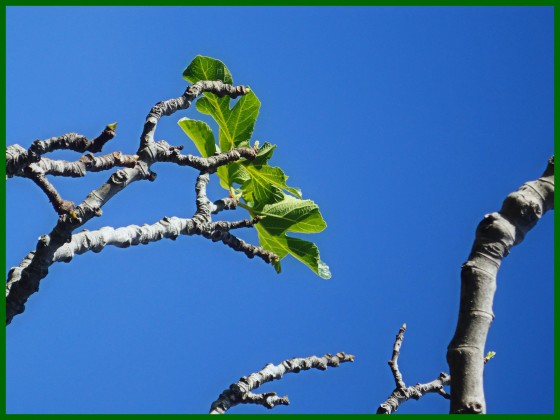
(403, 393)
(227, 203)
(132, 235)
(240, 392)
(37, 171)
(22, 283)
(495, 235)
(25, 281)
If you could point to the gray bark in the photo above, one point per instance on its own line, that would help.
(403, 393)
(495, 235)
(240, 392)
(60, 244)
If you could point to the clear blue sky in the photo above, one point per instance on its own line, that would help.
(406, 126)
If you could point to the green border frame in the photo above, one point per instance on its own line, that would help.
(8, 3)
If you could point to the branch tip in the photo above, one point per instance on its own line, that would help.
(111, 127)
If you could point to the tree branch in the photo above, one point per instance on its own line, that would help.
(87, 163)
(24, 279)
(132, 235)
(18, 158)
(495, 235)
(240, 392)
(171, 106)
(60, 205)
(403, 393)
(227, 203)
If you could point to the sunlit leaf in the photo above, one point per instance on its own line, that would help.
(201, 135)
(262, 187)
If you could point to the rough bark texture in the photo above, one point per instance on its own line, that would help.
(17, 158)
(61, 245)
(495, 235)
(240, 392)
(402, 393)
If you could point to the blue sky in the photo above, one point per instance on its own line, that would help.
(406, 125)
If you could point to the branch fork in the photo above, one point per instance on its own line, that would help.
(60, 244)
(403, 393)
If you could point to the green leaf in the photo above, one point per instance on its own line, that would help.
(255, 192)
(263, 187)
(264, 154)
(267, 182)
(236, 124)
(290, 214)
(201, 135)
(207, 68)
(304, 251)
(237, 174)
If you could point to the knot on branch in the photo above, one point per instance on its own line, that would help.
(120, 177)
(525, 208)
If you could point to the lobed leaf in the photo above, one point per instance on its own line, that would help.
(236, 124)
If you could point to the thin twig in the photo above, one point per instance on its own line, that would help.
(240, 392)
(403, 393)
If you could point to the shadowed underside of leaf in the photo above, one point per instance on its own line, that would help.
(262, 187)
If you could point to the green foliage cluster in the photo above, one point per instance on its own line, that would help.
(262, 188)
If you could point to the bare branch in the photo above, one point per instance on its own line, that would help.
(18, 158)
(87, 163)
(206, 164)
(240, 245)
(227, 203)
(171, 106)
(60, 205)
(394, 359)
(495, 235)
(403, 393)
(240, 392)
(25, 281)
(132, 235)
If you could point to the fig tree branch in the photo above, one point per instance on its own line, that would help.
(24, 280)
(171, 106)
(495, 235)
(18, 158)
(241, 392)
(403, 393)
